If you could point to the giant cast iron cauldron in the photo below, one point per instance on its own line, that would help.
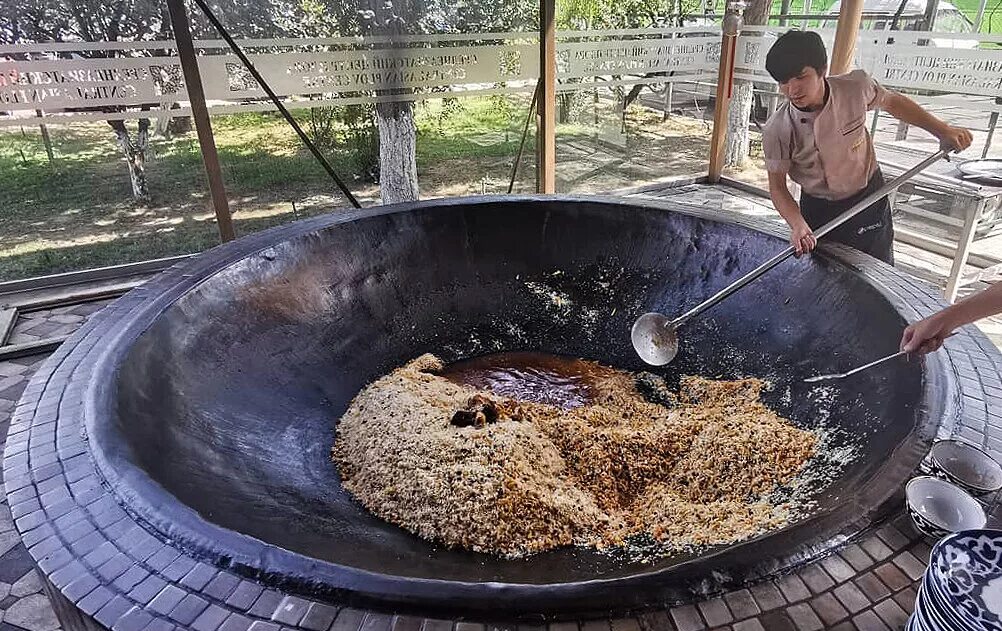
(214, 410)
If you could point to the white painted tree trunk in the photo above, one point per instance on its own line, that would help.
(135, 156)
(739, 117)
(398, 177)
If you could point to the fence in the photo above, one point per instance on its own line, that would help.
(471, 95)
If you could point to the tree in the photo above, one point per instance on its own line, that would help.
(736, 148)
(49, 21)
(398, 177)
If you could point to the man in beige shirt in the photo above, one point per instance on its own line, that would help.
(819, 139)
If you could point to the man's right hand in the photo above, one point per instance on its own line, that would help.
(802, 238)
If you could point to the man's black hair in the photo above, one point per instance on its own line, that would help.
(794, 51)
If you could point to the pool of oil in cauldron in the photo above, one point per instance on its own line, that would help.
(531, 376)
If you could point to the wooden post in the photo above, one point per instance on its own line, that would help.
(199, 111)
(846, 34)
(547, 105)
(725, 90)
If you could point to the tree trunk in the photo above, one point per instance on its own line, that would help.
(736, 148)
(135, 156)
(398, 178)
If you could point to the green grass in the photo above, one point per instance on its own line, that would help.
(992, 22)
(78, 212)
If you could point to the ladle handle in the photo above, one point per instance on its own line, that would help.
(820, 232)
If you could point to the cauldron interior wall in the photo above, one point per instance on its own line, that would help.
(230, 408)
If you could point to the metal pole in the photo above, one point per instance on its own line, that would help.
(725, 88)
(199, 111)
(981, 15)
(857, 208)
(525, 134)
(547, 143)
(277, 102)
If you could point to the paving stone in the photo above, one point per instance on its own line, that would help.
(891, 613)
(876, 548)
(146, 590)
(804, 618)
(290, 611)
(687, 618)
(777, 621)
(111, 612)
(623, 624)
(236, 622)
(168, 598)
(767, 596)
(33, 613)
(134, 620)
(742, 604)
(869, 621)
(211, 619)
(434, 625)
(911, 566)
(4, 591)
(8, 540)
(893, 537)
(851, 597)
(349, 619)
(223, 585)
(906, 599)
(715, 612)
(186, 611)
(838, 568)
(401, 623)
(922, 551)
(752, 624)
(815, 577)
(793, 588)
(655, 621)
(319, 617)
(872, 587)
(857, 557)
(891, 576)
(829, 609)
(266, 604)
(245, 595)
(27, 585)
(15, 564)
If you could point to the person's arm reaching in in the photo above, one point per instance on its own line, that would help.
(928, 334)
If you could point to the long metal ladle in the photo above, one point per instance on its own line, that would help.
(655, 337)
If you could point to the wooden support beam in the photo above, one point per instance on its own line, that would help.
(846, 33)
(725, 90)
(13, 351)
(199, 111)
(547, 105)
(8, 317)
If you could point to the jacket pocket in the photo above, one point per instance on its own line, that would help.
(853, 125)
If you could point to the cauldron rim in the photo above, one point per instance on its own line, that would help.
(146, 499)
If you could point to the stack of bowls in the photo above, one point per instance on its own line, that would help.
(962, 588)
(943, 501)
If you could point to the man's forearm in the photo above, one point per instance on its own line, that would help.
(908, 111)
(978, 306)
(788, 209)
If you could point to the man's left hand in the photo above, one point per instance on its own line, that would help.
(956, 138)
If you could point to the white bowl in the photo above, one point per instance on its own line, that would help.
(966, 466)
(938, 507)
